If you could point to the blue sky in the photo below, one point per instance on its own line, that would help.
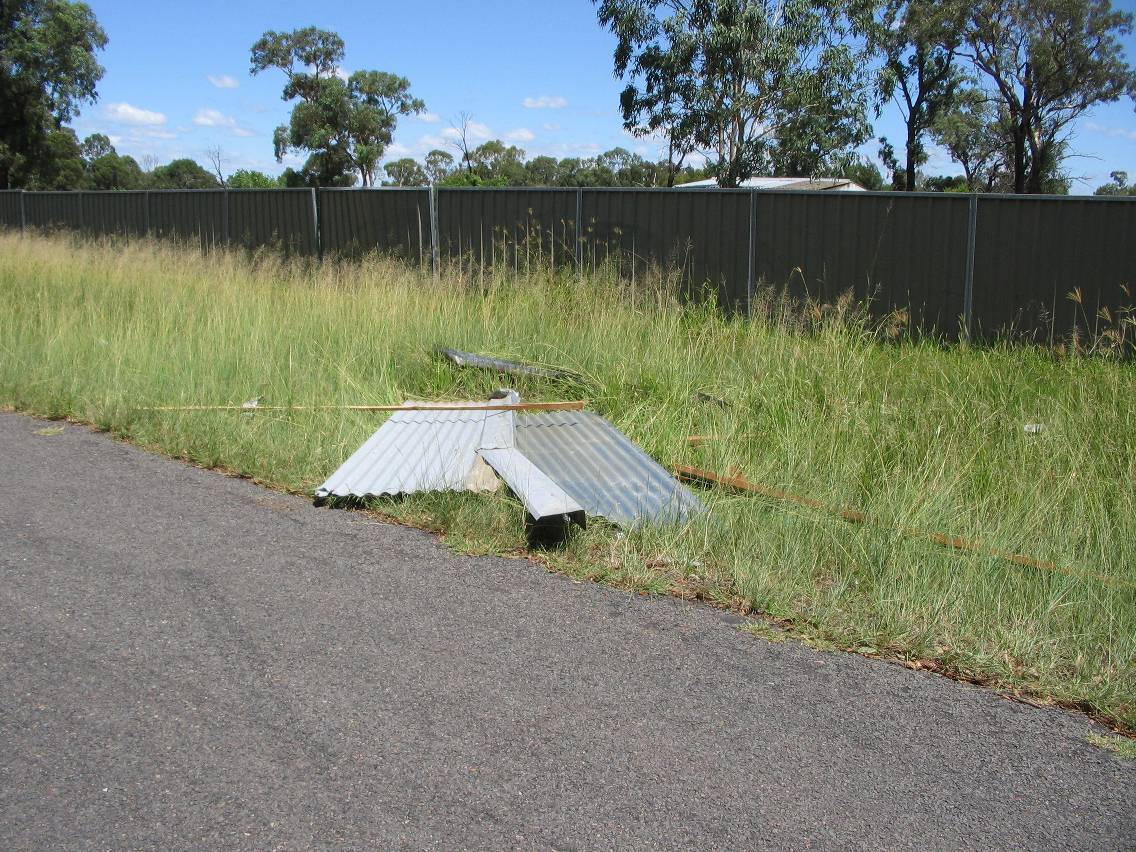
(535, 73)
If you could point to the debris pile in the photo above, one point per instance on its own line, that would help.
(563, 465)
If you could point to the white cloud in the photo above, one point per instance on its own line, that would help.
(428, 117)
(551, 125)
(396, 151)
(521, 134)
(128, 114)
(475, 133)
(208, 117)
(545, 102)
(342, 74)
(477, 130)
(1116, 132)
(431, 140)
(223, 81)
(577, 149)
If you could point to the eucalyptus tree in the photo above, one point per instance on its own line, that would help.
(344, 122)
(48, 70)
(749, 83)
(919, 43)
(1046, 63)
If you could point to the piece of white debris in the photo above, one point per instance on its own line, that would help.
(1034, 428)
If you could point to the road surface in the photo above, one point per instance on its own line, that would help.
(189, 660)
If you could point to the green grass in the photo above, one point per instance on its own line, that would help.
(1121, 746)
(916, 433)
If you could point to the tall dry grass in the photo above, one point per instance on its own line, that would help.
(916, 433)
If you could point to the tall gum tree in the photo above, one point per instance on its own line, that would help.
(919, 42)
(750, 83)
(48, 70)
(1046, 63)
(344, 123)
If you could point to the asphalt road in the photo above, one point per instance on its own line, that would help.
(189, 660)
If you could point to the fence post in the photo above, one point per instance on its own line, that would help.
(225, 217)
(752, 269)
(435, 253)
(316, 245)
(968, 283)
(23, 213)
(579, 230)
(145, 212)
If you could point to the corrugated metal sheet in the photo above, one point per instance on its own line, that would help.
(54, 210)
(557, 463)
(1030, 253)
(902, 250)
(119, 213)
(188, 214)
(703, 237)
(422, 451)
(356, 221)
(10, 208)
(602, 470)
(283, 218)
(542, 497)
(508, 227)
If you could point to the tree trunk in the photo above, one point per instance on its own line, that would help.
(1019, 160)
(910, 170)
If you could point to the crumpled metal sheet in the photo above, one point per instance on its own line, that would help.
(542, 497)
(423, 451)
(501, 365)
(602, 469)
(558, 463)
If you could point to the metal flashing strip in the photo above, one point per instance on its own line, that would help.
(542, 497)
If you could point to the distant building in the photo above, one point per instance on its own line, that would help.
(795, 183)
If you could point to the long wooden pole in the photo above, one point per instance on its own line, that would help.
(572, 405)
(740, 483)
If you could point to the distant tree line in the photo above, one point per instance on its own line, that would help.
(786, 86)
(746, 87)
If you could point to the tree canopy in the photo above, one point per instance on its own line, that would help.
(344, 123)
(918, 41)
(754, 84)
(1046, 63)
(182, 174)
(48, 70)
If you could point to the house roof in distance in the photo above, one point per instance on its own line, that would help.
(793, 183)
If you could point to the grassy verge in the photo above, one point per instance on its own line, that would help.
(916, 434)
(1125, 748)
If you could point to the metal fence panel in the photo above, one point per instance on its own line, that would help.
(114, 213)
(701, 237)
(895, 251)
(10, 208)
(51, 210)
(273, 217)
(353, 222)
(188, 214)
(508, 227)
(1032, 253)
